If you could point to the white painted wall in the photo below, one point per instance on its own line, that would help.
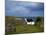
(31, 23)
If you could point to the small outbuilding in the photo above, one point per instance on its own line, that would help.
(30, 21)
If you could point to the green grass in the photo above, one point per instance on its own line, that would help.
(27, 29)
(22, 27)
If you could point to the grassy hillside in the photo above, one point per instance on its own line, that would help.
(20, 26)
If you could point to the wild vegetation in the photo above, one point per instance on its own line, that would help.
(19, 26)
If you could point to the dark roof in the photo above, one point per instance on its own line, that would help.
(29, 20)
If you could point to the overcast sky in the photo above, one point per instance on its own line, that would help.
(23, 8)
